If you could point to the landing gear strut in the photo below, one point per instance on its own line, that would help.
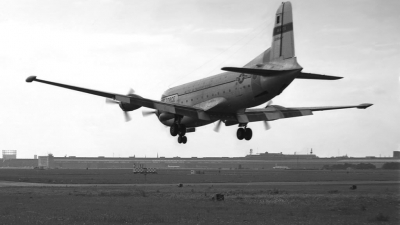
(178, 129)
(244, 133)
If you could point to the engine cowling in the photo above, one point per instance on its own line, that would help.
(166, 116)
(128, 106)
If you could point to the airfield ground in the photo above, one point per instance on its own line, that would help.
(251, 197)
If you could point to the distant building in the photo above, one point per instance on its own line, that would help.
(43, 162)
(46, 161)
(9, 154)
(280, 156)
(396, 154)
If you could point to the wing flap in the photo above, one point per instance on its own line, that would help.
(270, 113)
(275, 112)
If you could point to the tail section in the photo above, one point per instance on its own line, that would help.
(283, 41)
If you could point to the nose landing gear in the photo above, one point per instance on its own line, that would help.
(244, 133)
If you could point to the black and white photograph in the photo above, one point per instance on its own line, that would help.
(199, 112)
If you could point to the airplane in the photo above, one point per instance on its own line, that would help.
(229, 97)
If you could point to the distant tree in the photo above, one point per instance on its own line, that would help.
(391, 166)
(365, 166)
(361, 166)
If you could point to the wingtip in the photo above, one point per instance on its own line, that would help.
(30, 79)
(364, 105)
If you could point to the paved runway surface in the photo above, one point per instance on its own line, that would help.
(26, 184)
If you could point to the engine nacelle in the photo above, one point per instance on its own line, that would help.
(129, 107)
(166, 116)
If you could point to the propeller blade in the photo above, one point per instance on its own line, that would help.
(266, 125)
(148, 112)
(131, 91)
(217, 126)
(111, 101)
(127, 116)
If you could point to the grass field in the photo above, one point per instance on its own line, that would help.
(192, 204)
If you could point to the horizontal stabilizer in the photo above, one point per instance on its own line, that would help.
(316, 76)
(260, 72)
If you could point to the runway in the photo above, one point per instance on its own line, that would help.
(27, 184)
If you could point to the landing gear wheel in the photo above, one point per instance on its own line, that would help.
(240, 133)
(248, 134)
(180, 139)
(174, 129)
(182, 130)
(184, 139)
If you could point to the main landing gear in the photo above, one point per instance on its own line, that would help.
(179, 129)
(244, 133)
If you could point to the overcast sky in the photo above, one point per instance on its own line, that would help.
(153, 45)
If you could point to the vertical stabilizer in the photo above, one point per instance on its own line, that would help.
(282, 38)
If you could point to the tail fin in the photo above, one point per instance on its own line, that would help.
(282, 41)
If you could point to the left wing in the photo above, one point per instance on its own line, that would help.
(178, 109)
(275, 112)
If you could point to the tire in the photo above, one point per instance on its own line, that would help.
(248, 134)
(184, 139)
(180, 139)
(182, 130)
(240, 133)
(173, 130)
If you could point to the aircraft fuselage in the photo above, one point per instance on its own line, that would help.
(231, 92)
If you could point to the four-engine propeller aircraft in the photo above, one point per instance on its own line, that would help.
(227, 97)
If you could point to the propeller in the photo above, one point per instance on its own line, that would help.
(127, 116)
(266, 124)
(148, 112)
(112, 101)
(131, 91)
(217, 126)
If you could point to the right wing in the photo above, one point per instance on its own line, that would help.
(177, 109)
(275, 112)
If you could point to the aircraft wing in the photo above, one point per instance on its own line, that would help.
(190, 111)
(275, 112)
